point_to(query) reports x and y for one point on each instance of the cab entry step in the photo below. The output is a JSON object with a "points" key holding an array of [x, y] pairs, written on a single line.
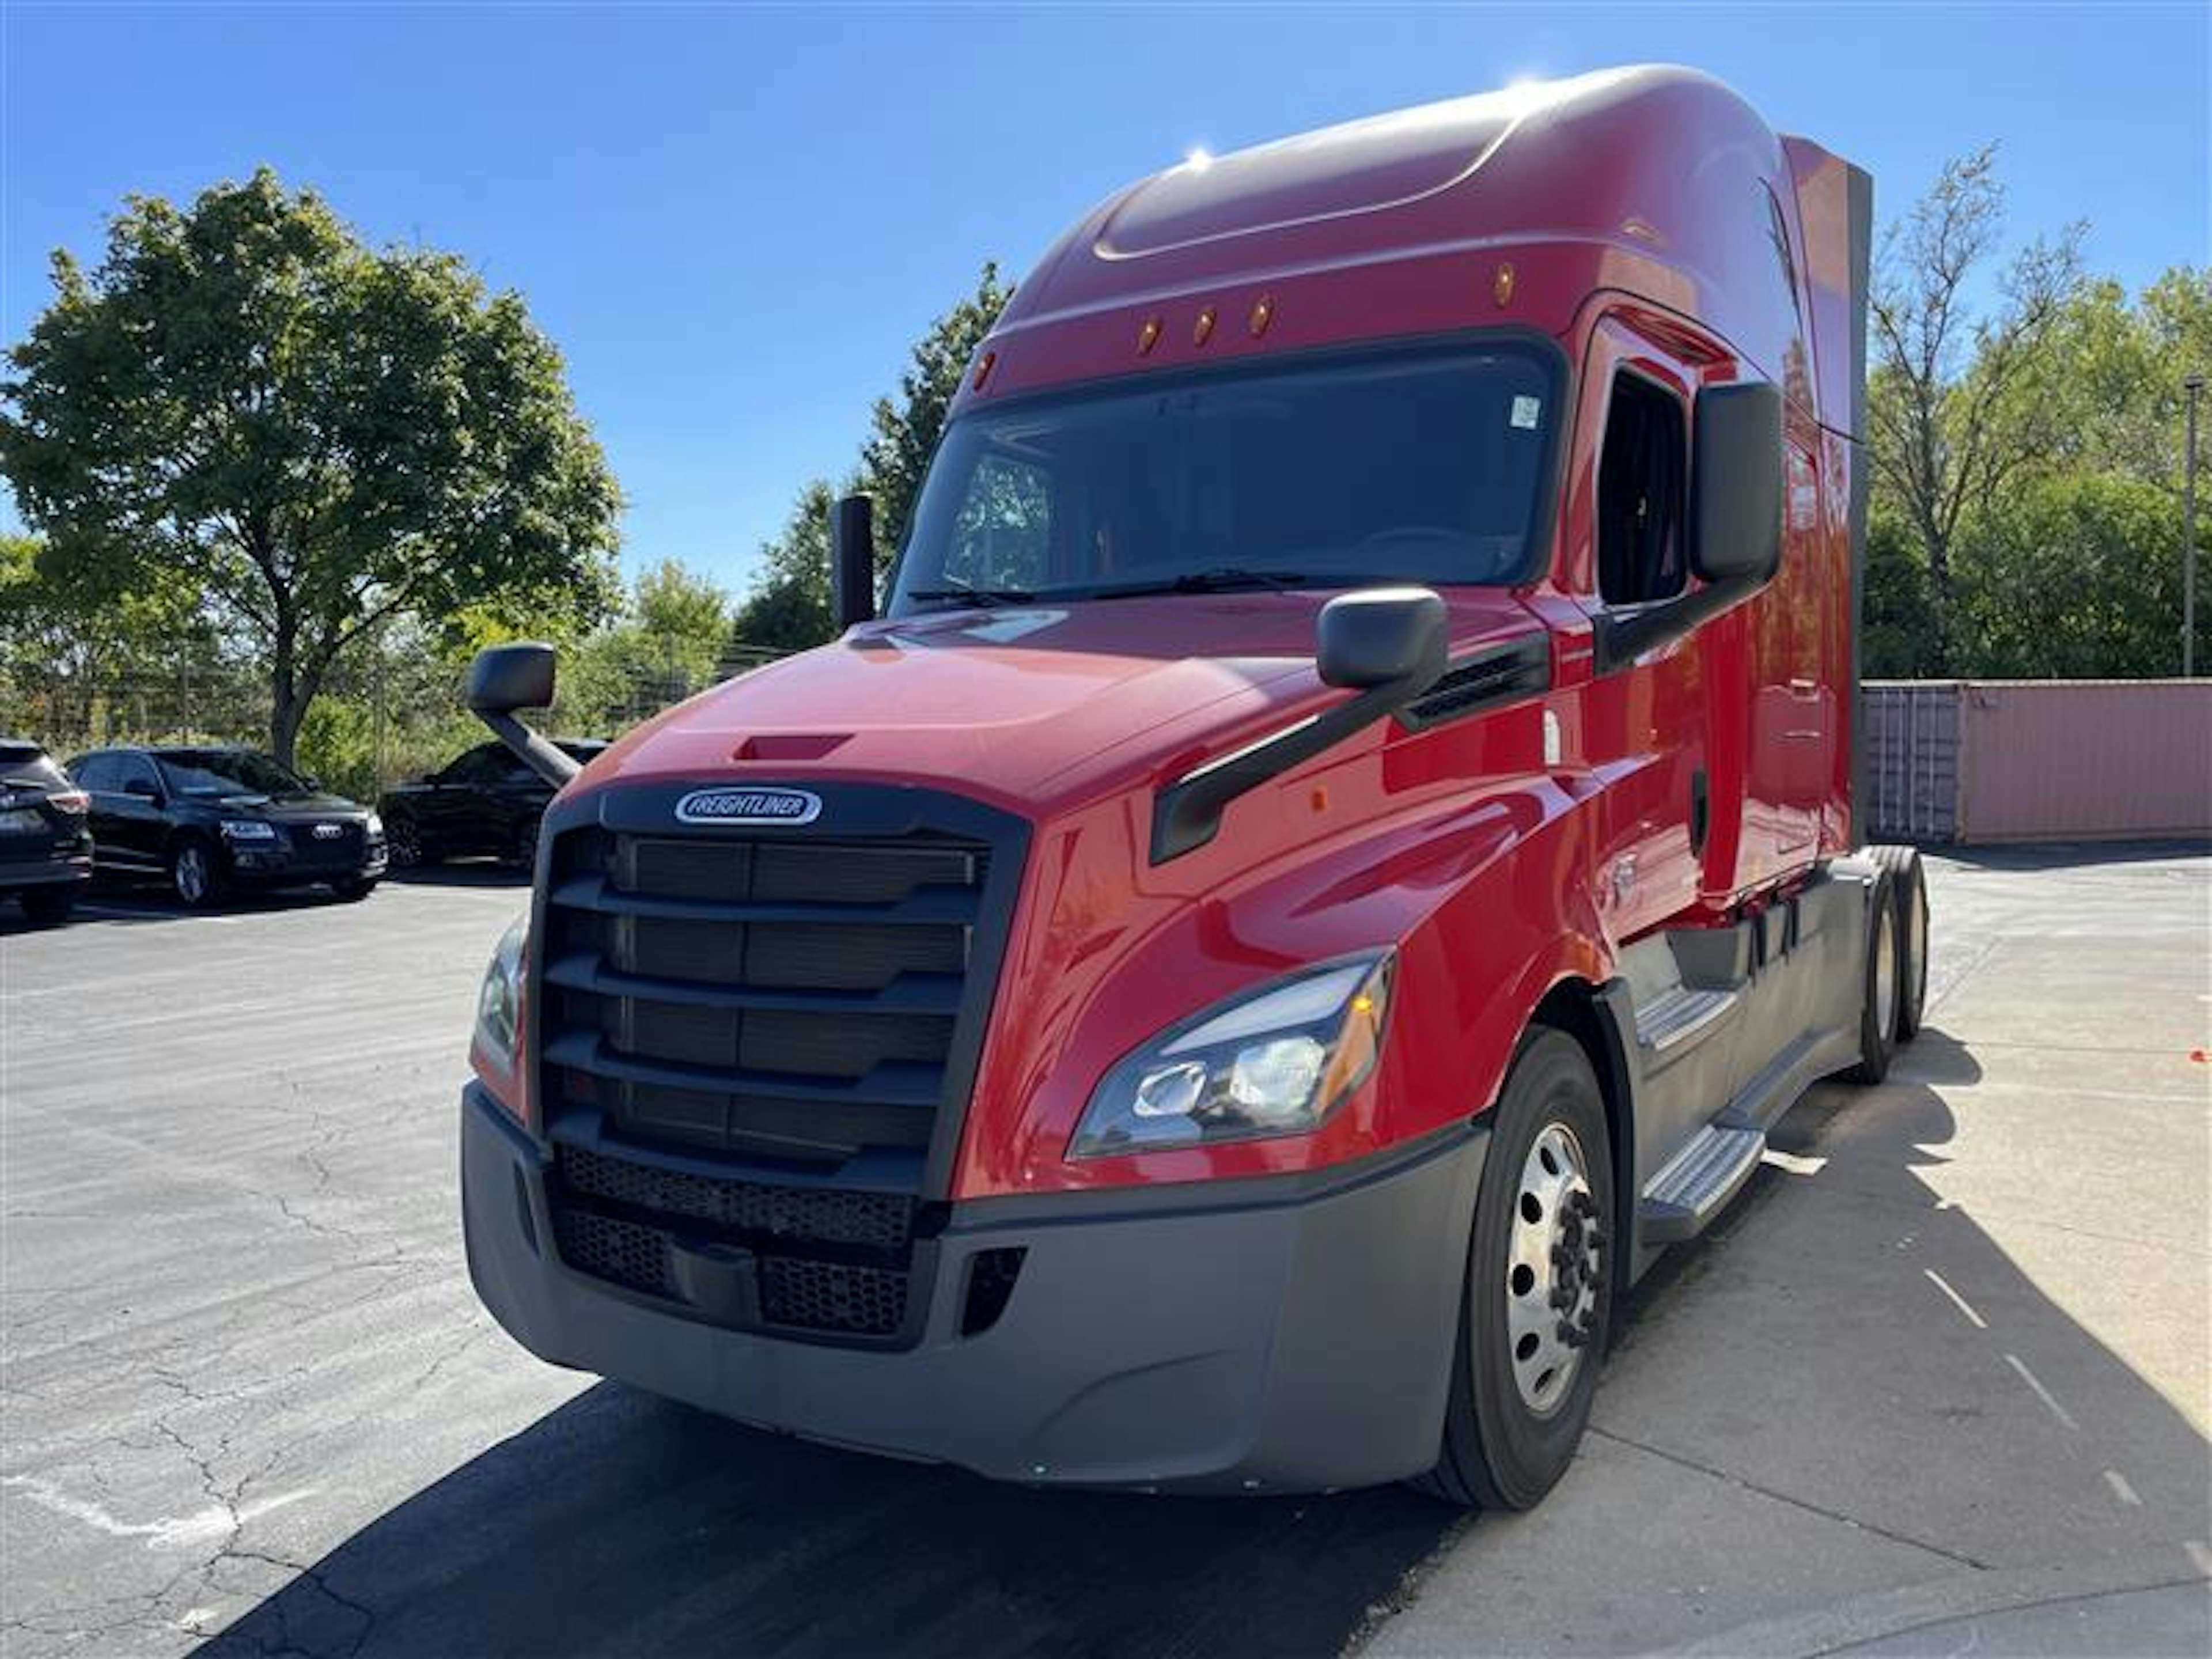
{"points": [[1684, 1196]]}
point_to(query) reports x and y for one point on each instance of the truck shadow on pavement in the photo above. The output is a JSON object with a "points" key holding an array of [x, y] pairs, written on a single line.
{"points": [[1845, 1394]]}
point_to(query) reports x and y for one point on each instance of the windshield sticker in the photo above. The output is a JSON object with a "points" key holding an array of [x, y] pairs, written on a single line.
{"points": [[1525, 411]]}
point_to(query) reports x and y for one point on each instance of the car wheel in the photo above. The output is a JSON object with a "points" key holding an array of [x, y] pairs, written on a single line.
{"points": [[48, 907], [403, 844], [192, 874], [1538, 1298], [1884, 982], [353, 891]]}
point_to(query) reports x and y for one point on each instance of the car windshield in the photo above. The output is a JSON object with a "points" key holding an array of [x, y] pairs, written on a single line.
{"points": [[1412, 466], [227, 772]]}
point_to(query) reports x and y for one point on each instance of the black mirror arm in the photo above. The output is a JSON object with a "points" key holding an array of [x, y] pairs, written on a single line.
{"points": [[1621, 638], [1186, 814], [534, 752]]}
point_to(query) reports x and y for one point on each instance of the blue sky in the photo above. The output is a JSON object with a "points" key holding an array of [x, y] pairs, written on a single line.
{"points": [[735, 219]]}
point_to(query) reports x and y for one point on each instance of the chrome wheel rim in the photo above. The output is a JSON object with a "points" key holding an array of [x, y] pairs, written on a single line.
{"points": [[1552, 1270], [191, 875], [1885, 974]]}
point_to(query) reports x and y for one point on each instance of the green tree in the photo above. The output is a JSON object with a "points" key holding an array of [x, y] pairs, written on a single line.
{"points": [[789, 607], [245, 399], [2075, 575], [1952, 417]]}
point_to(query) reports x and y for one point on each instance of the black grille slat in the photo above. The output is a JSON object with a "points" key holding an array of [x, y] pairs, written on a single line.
{"points": [[881, 1221], [790, 1002]]}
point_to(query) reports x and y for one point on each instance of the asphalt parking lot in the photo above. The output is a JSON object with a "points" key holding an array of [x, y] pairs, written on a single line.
{"points": [[1938, 1382]]}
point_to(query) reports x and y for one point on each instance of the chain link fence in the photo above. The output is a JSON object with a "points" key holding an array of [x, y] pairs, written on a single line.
{"points": [[381, 717]]}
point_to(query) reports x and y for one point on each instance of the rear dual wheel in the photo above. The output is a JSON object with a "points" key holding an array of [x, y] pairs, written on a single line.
{"points": [[1539, 1300]]}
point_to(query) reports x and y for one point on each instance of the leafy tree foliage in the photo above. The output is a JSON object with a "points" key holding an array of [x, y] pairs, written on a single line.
{"points": [[243, 401], [789, 608], [1949, 431]]}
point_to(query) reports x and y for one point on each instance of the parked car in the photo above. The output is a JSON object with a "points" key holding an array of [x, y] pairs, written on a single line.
{"points": [[484, 802], [209, 819], [45, 844]]}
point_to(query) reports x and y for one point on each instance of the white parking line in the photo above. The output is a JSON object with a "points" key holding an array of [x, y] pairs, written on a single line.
{"points": [[2200, 1555], [2041, 1392], [2122, 1490], [1960, 1302]]}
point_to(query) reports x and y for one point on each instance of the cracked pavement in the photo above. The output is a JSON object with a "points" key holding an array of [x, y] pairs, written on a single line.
{"points": [[1938, 1378]]}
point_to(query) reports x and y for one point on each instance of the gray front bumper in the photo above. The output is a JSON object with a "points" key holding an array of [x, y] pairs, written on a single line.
{"points": [[1293, 1336]]}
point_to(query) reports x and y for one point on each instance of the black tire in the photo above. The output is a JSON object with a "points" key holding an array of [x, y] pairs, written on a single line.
{"points": [[47, 907], [195, 873], [356, 890], [404, 843], [1500, 1451], [1878, 1013], [1909, 891]]}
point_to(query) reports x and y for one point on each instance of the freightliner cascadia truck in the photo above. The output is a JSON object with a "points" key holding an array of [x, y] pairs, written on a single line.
{"points": [[1335, 850]]}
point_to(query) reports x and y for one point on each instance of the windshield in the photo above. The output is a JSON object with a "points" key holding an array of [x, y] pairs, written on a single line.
{"points": [[226, 772], [1401, 467]]}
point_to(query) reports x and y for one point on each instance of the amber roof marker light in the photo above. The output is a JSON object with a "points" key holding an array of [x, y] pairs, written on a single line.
{"points": [[1202, 330], [1263, 312], [984, 365], [1148, 336], [1501, 285]]}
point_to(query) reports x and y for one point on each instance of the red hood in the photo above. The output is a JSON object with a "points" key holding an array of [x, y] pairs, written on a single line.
{"points": [[1036, 707]]}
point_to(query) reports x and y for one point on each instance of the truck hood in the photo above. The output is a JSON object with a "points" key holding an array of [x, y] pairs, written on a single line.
{"points": [[1032, 705]]}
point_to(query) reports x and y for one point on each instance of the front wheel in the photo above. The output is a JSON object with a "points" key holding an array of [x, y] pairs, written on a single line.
{"points": [[404, 843], [354, 889], [1539, 1301], [192, 874]]}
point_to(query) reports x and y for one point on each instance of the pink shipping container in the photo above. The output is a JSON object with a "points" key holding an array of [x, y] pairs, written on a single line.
{"points": [[2038, 760]]}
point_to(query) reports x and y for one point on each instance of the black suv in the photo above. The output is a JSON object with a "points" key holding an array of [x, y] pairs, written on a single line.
{"points": [[45, 846], [485, 802], [209, 818]]}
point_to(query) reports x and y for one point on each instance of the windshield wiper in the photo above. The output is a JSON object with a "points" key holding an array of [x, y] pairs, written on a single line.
{"points": [[961, 592], [1223, 579]]}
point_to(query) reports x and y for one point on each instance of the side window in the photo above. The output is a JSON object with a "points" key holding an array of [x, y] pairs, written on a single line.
{"points": [[1640, 556], [97, 774], [1003, 537], [479, 766], [138, 769]]}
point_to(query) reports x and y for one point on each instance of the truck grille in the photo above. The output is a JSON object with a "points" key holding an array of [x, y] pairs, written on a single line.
{"points": [[746, 1048]]}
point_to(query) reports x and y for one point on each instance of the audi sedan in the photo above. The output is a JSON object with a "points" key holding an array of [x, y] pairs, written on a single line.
{"points": [[207, 821]]}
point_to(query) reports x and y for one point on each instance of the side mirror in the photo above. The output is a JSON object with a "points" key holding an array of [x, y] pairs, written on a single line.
{"points": [[1381, 636], [852, 560], [1735, 483], [505, 678]]}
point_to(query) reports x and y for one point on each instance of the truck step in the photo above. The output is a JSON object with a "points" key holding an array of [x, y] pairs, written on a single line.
{"points": [[1684, 1196], [1679, 1015]]}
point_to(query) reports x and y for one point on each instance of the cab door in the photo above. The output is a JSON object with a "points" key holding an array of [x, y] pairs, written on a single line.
{"points": [[1644, 720]]}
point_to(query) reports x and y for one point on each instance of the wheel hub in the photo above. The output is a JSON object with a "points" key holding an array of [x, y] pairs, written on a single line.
{"points": [[1555, 1266]]}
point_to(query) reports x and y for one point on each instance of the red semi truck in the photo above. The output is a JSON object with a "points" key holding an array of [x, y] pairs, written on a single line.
{"points": [[1337, 849]]}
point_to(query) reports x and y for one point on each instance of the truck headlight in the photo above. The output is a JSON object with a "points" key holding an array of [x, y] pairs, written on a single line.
{"points": [[499, 1002], [1273, 1061], [248, 829]]}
